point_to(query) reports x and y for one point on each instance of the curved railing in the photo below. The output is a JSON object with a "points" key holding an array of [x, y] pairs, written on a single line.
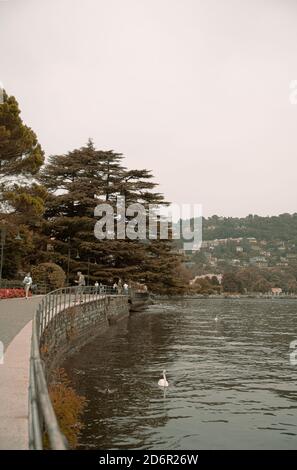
{"points": [[42, 418]]}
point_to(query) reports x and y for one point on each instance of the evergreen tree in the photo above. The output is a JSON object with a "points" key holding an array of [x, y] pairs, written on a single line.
{"points": [[77, 182], [20, 152], [21, 198]]}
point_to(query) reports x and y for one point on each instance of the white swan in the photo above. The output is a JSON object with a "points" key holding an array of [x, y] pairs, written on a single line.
{"points": [[163, 382], [216, 318]]}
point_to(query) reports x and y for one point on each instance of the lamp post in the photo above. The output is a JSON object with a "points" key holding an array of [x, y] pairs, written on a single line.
{"points": [[68, 259], [88, 275], [68, 262], [88, 271]]}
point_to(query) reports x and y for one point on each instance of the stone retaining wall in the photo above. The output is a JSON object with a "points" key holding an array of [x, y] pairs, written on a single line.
{"points": [[77, 325]]}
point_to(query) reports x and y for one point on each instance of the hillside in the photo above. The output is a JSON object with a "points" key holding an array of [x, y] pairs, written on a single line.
{"points": [[282, 227], [263, 249]]}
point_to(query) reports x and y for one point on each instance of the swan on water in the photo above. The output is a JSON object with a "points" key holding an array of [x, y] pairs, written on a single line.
{"points": [[163, 382], [216, 318]]}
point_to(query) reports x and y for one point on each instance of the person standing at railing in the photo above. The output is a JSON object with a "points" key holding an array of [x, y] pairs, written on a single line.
{"points": [[81, 283], [126, 288], [96, 285], [81, 279], [27, 283]]}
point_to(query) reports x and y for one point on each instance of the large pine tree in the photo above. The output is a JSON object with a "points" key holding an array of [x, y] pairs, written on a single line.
{"points": [[21, 158], [77, 182], [20, 152], [21, 198]]}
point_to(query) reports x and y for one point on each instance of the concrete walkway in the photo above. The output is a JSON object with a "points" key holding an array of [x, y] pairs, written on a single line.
{"points": [[15, 333], [14, 315]]}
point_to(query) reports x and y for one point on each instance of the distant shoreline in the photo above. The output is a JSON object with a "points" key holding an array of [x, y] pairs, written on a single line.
{"points": [[224, 296]]}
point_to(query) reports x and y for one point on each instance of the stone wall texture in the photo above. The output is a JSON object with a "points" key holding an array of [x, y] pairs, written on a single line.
{"points": [[77, 325]]}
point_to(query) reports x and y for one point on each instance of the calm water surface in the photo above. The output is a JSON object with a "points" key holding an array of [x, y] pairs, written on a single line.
{"points": [[231, 382]]}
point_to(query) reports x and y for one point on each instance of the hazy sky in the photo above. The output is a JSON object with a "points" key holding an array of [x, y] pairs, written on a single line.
{"points": [[197, 91]]}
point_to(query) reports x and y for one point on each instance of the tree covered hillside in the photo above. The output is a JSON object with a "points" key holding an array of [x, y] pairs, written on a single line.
{"points": [[282, 227]]}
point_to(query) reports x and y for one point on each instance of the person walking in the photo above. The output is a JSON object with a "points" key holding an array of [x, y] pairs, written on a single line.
{"points": [[27, 283]]}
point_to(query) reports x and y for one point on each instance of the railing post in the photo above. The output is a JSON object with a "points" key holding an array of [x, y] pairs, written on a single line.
{"points": [[55, 306], [49, 305]]}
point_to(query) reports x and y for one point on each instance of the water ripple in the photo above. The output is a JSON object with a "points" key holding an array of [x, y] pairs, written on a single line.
{"points": [[231, 383]]}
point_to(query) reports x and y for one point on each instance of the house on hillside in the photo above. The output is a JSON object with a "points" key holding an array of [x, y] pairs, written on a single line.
{"points": [[276, 290], [258, 261]]}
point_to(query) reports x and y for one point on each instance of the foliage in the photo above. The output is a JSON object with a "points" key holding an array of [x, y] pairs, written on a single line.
{"points": [[206, 286], [55, 206], [49, 273], [12, 293], [21, 198], [231, 283], [282, 227], [77, 182], [68, 406], [259, 280], [20, 152], [26, 200], [16, 252]]}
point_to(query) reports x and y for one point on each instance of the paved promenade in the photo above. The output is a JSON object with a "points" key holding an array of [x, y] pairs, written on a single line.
{"points": [[14, 315], [15, 334]]}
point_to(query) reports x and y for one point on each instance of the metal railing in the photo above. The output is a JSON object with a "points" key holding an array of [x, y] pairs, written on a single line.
{"points": [[11, 284], [42, 418]]}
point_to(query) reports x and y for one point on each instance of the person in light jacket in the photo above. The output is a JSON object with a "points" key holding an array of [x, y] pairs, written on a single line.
{"points": [[27, 283]]}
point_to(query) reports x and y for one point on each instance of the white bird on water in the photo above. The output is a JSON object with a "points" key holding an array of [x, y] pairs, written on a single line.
{"points": [[163, 382], [216, 318]]}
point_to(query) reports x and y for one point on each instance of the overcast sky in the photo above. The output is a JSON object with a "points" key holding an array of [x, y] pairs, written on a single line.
{"points": [[196, 90]]}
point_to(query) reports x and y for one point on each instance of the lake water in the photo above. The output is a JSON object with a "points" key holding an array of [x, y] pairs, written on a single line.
{"points": [[231, 383]]}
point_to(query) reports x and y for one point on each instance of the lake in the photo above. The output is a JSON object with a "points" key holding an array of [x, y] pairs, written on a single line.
{"points": [[231, 382]]}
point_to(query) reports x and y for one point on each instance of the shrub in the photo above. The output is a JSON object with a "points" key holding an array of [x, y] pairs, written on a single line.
{"points": [[49, 273], [68, 406], [12, 293]]}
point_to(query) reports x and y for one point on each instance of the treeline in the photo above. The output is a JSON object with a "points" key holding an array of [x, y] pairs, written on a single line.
{"points": [[47, 211], [249, 280], [282, 227]]}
